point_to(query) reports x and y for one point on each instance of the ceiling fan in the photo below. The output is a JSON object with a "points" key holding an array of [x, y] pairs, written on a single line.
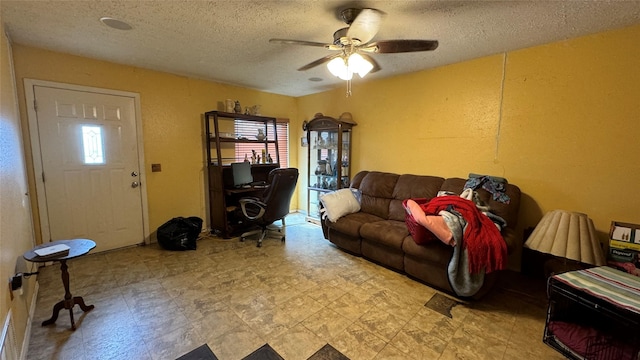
{"points": [[354, 44]]}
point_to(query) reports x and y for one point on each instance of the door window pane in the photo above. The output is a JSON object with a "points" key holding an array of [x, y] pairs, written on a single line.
{"points": [[92, 144]]}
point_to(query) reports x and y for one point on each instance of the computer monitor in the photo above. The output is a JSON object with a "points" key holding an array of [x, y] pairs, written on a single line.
{"points": [[241, 173]]}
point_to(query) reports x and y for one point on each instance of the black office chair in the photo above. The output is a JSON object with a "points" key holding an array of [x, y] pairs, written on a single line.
{"points": [[273, 205]]}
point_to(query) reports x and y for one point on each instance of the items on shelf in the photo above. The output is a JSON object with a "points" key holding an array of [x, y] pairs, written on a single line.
{"points": [[229, 105]]}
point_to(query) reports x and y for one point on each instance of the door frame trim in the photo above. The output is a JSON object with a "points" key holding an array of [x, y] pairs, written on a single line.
{"points": [[36, 153]]}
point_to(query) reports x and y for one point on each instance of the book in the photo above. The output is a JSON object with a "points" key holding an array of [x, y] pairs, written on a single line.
{"points": [[52, 251]]}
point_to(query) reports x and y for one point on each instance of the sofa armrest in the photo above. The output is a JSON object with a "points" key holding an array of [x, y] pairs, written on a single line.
{"points": [[511, 238]]}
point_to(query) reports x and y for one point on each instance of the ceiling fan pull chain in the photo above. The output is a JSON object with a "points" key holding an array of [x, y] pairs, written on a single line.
{"points": [[348, 87]]}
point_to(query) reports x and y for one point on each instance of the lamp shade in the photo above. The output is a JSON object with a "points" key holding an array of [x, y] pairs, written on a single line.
{"points": [[569, 235]]}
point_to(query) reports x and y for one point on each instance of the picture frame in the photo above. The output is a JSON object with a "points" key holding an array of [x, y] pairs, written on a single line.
{"points": [[304, 142]]}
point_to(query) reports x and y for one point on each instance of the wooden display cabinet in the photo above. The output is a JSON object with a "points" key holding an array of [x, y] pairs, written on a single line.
{"points": [[329, 159]]}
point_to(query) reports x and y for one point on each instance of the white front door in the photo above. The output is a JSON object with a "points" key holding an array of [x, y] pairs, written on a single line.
{"points": [[90, 163]]}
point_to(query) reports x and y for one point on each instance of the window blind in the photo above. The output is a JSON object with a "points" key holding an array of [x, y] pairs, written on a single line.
{"points": [[249, 129]]}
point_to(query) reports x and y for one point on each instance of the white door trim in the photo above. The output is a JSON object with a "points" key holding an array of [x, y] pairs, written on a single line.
{"points": [[36, 153]]}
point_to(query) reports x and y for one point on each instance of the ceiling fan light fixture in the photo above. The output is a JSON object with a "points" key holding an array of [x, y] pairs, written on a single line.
{"points": [[344, 68], [338, 67]]}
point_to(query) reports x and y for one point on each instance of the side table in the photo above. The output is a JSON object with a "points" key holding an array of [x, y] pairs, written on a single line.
{"points": [[77, 248]]}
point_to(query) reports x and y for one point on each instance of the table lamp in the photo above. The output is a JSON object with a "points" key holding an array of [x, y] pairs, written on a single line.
{"points": [[569, 236]]}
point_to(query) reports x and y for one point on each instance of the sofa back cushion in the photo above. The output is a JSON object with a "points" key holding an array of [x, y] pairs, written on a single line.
{"points": [[377, 192], [410, 187], [509, 212], [357, 179], [383, 193]]}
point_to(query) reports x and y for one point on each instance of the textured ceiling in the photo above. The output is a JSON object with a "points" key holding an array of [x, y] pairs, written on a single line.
{"points": [[227, 41]]}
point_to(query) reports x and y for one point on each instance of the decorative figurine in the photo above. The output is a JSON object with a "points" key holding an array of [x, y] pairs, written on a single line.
{"points": [[237, 108], [321, 169], [229, 105], [269, 159]]}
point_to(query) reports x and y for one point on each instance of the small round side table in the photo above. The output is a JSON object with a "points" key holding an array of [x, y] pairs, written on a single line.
{"points": [[77, 248]]}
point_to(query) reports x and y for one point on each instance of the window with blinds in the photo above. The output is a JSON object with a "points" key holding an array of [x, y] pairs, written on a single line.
{"points": [[249, 129]]}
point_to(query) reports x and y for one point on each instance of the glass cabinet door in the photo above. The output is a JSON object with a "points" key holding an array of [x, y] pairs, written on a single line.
{"points": [[329, 160]]}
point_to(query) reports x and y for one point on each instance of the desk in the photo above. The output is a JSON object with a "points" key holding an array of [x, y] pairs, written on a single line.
{"points": [[244, 191], [224, 195], [77, 248]]}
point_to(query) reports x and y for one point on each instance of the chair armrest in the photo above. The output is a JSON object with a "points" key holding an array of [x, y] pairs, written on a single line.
{"points": [[252, 208]]}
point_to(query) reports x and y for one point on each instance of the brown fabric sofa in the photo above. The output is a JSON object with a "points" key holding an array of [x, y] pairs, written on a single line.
{"points": [[378, 231]]}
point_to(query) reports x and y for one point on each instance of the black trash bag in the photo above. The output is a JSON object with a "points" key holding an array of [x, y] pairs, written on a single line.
{"points": [[180, 233]]}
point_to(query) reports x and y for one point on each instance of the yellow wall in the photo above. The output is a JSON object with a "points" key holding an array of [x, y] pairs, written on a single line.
{"points": [[172, 110], [565, 127], [16, 233], [558, 120]]}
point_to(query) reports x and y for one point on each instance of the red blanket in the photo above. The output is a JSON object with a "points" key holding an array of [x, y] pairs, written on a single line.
{"points": [[485, 246]]}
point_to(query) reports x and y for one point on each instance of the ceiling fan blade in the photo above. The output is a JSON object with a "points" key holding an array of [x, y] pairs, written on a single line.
{"points": [[376, 66], [319, 62], [301, 42], [366, 25], [400, 46]]}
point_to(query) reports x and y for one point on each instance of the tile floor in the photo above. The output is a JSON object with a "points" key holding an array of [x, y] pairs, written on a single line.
{"points": [[297, 296]]}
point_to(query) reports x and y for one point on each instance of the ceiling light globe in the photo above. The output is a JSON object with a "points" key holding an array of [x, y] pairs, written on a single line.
{"points": [[360, 65], [339, 68]]}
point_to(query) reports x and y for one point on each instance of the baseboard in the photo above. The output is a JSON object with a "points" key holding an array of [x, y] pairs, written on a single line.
{"points": [[27, 332], [8, 346]]}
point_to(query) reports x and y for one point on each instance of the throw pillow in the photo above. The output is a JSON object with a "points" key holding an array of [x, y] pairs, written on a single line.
{"points": [[339, 203]]}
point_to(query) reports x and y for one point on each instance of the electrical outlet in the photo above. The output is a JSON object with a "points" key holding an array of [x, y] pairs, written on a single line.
{"points": [[16, 282]]}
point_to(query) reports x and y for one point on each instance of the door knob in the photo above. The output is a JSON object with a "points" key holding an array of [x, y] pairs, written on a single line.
{"points": [[134, 173], [135, 184]]}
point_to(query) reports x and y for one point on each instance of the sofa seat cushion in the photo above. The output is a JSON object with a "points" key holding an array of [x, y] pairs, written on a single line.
{"points": [[388, 232], [351, 224], [435, 251]]}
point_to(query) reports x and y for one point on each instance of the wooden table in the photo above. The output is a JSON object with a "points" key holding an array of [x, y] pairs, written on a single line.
{"points": [[77, 248]]}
